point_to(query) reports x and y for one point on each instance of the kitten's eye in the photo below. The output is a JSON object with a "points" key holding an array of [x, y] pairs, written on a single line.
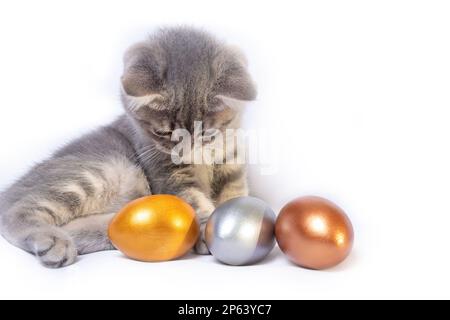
{"points": [[227, 122], [162, 134]]}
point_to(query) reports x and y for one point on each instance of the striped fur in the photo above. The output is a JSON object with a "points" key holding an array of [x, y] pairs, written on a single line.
{"points": [[61, 208]]}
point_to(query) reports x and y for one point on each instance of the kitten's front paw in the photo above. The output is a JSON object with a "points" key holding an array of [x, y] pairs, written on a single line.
{"points": [[200, 246], [54, 249]]}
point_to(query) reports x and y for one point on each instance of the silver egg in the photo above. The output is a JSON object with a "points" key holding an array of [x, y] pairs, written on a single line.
{"points": [[241, 231]]}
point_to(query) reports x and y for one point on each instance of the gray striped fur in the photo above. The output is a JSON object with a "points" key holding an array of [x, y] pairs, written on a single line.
{"points": [[61, 208]]}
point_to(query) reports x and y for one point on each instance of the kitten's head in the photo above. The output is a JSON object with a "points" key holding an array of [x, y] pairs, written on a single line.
{"points": [[182, 75]]}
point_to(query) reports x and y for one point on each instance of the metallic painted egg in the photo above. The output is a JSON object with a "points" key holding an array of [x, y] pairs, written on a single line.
{"points": [[241, 231], [155, 228], [314, 233]]}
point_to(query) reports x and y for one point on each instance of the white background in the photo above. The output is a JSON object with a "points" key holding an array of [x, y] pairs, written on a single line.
{"points": [[358, 89]]}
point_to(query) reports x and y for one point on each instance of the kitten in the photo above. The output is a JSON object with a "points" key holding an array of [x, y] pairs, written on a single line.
{"points": [[63, 206]]}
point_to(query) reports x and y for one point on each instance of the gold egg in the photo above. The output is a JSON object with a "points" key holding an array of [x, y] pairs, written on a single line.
{"points": [[155, 228]]}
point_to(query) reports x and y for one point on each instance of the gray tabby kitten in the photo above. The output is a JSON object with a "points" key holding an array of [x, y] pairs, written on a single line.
{"points": [[62, 207]]}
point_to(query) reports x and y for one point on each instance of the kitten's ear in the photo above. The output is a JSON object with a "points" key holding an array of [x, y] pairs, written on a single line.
{"points": [[143, 71], [234, 81], [225, 102]]}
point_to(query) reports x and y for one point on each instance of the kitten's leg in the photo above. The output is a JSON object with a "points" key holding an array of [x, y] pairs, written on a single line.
{"points": [[60, 191], [185, 184], [90, 234], [204, 207], [233, 183], [34, 229]]}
